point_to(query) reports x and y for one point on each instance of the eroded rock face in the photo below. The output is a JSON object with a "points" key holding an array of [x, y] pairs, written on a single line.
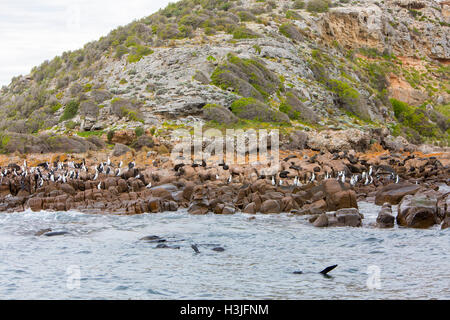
{"points": [[337, 141], [418, 211], [370, 26]]}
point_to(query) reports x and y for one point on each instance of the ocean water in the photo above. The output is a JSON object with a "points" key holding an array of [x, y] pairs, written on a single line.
{"points": [[103, 258]]}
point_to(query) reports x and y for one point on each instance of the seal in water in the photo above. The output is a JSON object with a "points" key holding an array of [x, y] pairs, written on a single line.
{"points": [[218, 249], [324, 271], [43, 231], [153, 239], [165, 246], [55, 233], [194, 246]]}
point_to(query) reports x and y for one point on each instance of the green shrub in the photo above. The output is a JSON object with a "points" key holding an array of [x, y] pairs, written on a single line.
{"points": [[71, 124], [87, 87], [244, 33], [298, 4], [293, 15], [238, 105], [55, 107], [346, 92], [139, 131], [318, 5], [138, 52], [414, 118], [70, 110], [110, 135]]}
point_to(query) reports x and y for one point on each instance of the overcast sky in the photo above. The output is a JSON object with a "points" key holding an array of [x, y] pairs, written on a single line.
{"points": [[32, 31]]}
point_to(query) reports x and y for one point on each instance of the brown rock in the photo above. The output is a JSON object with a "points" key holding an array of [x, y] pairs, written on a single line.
{"points": [[270, 206], [154, 205], [419, 211], [198, 207], [393, 193], [321, 221], [250, 208], [385, 218], [35, 204], [122, 185], [67, 188]]}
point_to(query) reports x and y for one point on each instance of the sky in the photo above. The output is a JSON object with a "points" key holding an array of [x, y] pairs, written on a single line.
{"points": [[32, 31]]}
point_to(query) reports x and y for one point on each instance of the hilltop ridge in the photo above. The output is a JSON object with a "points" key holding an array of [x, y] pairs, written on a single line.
{"points": [[293, 65]]}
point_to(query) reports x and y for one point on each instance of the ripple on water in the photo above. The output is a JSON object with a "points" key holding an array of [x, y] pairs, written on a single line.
{"points": [[258, 262]]}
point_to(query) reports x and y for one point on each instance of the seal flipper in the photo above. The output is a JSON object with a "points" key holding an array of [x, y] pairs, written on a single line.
{"points": [[194, 246], [328, 269]]}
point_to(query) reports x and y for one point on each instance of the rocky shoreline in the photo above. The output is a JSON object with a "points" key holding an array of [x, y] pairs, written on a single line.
{"points": [[320, 184]]}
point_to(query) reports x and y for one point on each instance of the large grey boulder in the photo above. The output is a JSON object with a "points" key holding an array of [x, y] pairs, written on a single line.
{"points": [[120, 149]]}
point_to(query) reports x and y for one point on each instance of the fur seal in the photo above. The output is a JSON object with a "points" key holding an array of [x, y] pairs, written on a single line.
{"points": [[55, 233], [323, 272]]}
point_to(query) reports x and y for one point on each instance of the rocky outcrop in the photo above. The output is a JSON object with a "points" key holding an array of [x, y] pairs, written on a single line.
{"points": [[341, 218], [373, 26]]}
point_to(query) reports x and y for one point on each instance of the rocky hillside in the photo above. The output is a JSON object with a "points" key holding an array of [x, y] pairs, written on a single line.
{"points": [[310, 65]]}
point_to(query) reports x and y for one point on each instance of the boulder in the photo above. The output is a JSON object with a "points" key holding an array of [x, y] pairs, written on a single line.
{"points": [[270, 206], [67, 188], [347, 217], [250, 208], [120, 149], [338, 195], [321, 221], [393, 193], [297, 140], [198, 207], [385, 218], [35, 204], [418, 211]]}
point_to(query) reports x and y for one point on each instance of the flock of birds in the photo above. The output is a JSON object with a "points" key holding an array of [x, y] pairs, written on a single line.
{"points": [[282, 178], [62, 172]]}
